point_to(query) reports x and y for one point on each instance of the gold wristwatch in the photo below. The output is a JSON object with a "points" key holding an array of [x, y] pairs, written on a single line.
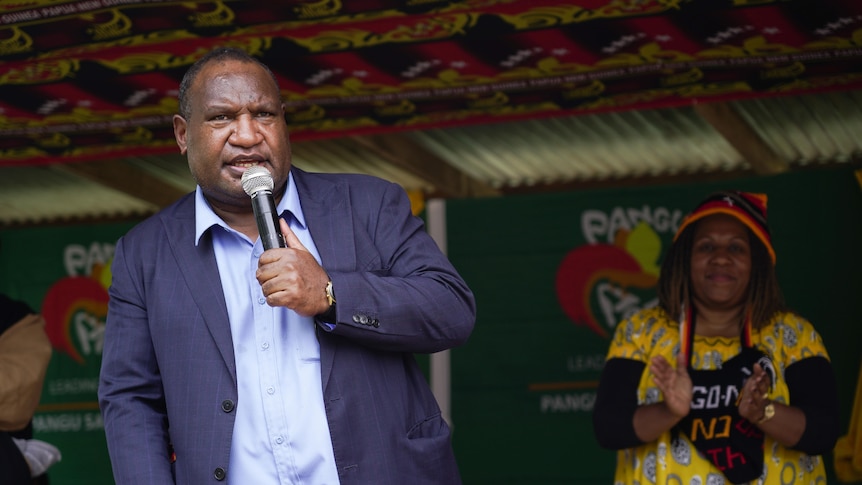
{"points": [[768, 412], [329, 296]]}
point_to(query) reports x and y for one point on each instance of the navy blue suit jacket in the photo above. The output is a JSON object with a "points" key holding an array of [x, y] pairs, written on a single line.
{"points": [[168, 377]]}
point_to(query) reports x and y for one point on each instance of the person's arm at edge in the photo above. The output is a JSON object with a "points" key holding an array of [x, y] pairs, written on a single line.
{"points": [[25, 352]]}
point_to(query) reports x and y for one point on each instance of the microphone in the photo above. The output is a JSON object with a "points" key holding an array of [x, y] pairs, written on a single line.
{"points": [[257, 183]]}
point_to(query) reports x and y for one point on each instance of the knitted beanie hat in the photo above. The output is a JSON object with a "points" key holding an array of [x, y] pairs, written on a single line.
{"points": [[749, 208]]}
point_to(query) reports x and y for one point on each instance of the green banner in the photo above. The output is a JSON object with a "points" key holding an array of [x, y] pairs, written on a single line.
{"points": [[64, 273], [553, 274]]}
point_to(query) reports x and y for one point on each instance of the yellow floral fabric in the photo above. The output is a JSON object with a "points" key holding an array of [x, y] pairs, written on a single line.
{"points": [[787, 339]]}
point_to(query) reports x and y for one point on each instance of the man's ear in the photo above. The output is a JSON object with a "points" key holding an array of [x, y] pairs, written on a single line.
{"points": [[180, 132]]}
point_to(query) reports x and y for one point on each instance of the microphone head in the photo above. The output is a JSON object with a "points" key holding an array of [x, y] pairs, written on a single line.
{"points": [[255, 179]]}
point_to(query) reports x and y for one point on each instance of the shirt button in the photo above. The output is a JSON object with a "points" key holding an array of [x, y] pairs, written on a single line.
{"points": [[270, 390], [261, 300], [264, 345], [279, 440]]}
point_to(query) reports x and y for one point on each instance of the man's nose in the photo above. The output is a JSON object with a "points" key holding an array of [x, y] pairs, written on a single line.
{"points": [[245, 131]]}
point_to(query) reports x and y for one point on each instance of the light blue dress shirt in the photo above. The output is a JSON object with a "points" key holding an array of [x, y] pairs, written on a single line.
{"points": [[281, 434]]}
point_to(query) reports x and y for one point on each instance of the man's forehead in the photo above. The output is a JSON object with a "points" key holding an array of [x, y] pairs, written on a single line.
{"points": [[212, 79]]}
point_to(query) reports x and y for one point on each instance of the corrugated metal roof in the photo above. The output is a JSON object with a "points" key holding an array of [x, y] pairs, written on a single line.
{"points": [[52, 194], [343, 155], [532, 155], [807, 130], [587, 148]]}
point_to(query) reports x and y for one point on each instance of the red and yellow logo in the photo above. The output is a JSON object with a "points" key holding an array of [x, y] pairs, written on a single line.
{"points": [[599, 284], [75, 309]]}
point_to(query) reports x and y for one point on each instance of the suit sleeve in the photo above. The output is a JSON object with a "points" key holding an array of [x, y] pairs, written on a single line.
{"points": [[405, 295], [130, 393]]}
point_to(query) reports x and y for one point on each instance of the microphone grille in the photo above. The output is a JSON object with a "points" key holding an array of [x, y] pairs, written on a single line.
{"points": [[257, 178]]}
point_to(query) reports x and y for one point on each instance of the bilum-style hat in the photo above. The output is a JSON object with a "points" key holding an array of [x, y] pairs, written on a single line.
{"points": [[749, 208]]}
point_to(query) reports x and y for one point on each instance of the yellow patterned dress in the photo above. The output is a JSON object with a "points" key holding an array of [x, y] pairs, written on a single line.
{"points": [[786, 340]]}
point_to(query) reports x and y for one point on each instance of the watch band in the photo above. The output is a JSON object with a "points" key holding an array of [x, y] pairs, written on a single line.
{"points": [[328, 317], [330, 297]]}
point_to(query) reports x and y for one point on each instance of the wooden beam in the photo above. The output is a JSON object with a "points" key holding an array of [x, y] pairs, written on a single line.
{"points": [[742, 137], [401, 151], [128, 179]]}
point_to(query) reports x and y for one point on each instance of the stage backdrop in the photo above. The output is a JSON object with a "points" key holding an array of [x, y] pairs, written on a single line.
{"points": [[553, 274]]}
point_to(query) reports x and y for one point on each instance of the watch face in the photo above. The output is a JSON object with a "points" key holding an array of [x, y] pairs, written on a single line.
{"points": [[768, 412]]}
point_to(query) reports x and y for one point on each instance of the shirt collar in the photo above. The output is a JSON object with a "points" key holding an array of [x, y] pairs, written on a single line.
{"points": [[206, 218]]}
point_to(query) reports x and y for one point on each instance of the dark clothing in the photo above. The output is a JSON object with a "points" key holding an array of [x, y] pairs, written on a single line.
{"points": [[13, 467], [11, 312]]}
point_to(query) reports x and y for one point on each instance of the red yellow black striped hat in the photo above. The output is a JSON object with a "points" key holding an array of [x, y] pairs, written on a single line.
{"points": [[749, 208]]}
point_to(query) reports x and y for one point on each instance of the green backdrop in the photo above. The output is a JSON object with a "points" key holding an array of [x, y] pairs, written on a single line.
{"points": [[60, 272], [552, 275]]}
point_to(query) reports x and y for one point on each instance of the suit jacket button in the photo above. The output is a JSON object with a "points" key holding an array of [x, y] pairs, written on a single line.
{"points": [[219, 474], [356, 318], [227, 405]]}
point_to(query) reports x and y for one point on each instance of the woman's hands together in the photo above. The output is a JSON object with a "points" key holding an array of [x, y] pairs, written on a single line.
{"points": [[674, 383], [651, 420]]}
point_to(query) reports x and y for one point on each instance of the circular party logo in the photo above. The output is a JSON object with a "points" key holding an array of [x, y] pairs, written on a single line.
{"points": [[75, 309], [600, 284]]}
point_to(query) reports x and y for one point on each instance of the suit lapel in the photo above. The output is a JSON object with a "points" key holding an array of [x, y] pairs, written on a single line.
{"points": [[327, 212], [198, 267]]}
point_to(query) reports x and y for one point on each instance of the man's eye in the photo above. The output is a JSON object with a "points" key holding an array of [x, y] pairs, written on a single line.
{"points": [[219, 118]]}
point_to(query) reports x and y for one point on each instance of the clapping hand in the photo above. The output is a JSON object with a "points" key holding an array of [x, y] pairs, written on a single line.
{"points": [[674, 383]]}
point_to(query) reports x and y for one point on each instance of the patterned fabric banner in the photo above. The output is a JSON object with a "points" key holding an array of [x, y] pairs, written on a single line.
{"points": [[98, 78]]}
